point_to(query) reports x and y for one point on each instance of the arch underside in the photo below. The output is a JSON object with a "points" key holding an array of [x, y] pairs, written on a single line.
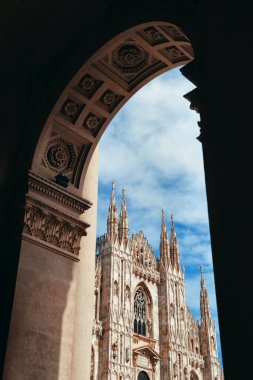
{"points": [[97, 92]]}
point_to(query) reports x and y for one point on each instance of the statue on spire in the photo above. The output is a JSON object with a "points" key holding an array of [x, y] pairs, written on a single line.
{"points": [[174, 249], [112, 219], [164, 242], [123, 227], [204, 302]]}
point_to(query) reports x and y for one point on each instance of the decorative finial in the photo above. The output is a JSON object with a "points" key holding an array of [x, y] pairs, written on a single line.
{"points": [[163, 213], [123, 192], [172, 218], [113, 185], [201, 274]]}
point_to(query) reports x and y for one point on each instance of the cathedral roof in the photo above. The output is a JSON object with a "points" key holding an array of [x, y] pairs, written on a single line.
{"points": [[142, 251]]}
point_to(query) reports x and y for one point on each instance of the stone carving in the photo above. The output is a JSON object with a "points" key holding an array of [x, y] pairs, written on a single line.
{"points": [[129, 57], [154, 362], [153, 36], [153, 33], [174, 54], [71, 110], [181, 314], [42, 223], [108, 98], [115, 288], [87, 82], [127, 354], [98, 274], [145, 263], [52, 190], [172, 310], [175, 369], [88, 85], [58, 155], [127, 293], [149, 323], [135, 358], [174, 32], [188, 49], [92, 121], [114, 349], [97, 328]]}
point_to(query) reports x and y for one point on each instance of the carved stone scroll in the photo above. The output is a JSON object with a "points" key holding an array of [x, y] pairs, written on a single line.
{"points": [[53, 227]]}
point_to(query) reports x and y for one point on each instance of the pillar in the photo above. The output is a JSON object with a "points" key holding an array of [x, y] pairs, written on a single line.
{"points": [[51, 318], [86, 281]]}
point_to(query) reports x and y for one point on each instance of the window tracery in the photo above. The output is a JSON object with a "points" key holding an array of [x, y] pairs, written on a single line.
{"points": [[140, 312]]}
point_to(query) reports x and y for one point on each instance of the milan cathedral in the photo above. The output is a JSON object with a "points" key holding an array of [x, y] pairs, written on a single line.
{"points": [[142, 326]]}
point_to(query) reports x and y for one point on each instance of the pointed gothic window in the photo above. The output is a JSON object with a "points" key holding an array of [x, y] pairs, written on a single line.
{"points": [[143, 329], [140, 312], [143, 376], [135, 326]]}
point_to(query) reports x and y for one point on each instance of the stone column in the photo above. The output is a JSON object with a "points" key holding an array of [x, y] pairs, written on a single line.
{"points": [[225, 109], [84, 310], [41, 336]]}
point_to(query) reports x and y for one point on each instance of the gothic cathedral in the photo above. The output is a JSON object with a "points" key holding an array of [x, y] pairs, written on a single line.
{"points": [[142, 327]]}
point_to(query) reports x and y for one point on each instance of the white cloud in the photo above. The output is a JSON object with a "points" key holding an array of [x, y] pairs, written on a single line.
{"points": [[151, 148]]}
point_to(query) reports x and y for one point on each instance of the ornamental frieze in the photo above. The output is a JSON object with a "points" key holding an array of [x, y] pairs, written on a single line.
{"points": [[53, 227], [52, 190]]}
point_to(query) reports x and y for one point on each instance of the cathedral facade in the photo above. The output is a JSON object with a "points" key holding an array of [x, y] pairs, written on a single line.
{"points": [[142, 327]]}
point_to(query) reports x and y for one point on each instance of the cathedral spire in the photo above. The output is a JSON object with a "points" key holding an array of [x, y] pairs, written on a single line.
{"points": [[123, 221], [204, 303], [164, 242], [112, 220], [174, 250]]}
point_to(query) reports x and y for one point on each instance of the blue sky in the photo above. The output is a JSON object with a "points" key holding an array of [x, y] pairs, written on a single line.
{"points": [[150, 148]]}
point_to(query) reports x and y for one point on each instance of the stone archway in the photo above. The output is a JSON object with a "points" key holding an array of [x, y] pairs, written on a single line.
{"points": [[97, 92], [143, 376], [30, 65], [61, 201]]}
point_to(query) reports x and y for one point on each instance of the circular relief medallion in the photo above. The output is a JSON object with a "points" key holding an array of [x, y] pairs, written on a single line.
{"points": [[87, 83], [108, 98], [154, 34], [129, 55], [58, 156], [175, 52], [70, 109], [92, 122]]}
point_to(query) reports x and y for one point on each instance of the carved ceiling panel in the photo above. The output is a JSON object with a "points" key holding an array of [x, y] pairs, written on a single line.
{"points": [[99, 90]]}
